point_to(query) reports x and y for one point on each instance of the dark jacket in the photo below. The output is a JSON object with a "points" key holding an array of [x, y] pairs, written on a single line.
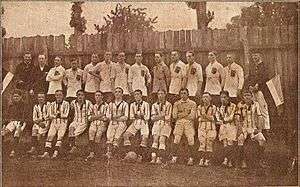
{"points": [[25, 73], [40, 83], [258, 75], [15, 112]]}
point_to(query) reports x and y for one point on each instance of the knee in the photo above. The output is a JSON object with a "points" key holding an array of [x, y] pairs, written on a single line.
{"points": [[144, 141], [177, 139], [155, 142], [162, 142], [191, 140]]}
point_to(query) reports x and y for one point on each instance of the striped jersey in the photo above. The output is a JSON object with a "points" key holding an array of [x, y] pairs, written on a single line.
{"points": [[225, 114], [140, 108], [41, 112], [162, 109], [117, 109], [206, 116], [62, 109], [249, 114], [99, 109], [82, 111]]}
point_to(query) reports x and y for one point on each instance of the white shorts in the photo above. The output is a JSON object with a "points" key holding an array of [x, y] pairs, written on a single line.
{"points": [[160, 128], [115, 131], [37, 130], [139, 125], [57, 128], [16, 126], [79, 128]]}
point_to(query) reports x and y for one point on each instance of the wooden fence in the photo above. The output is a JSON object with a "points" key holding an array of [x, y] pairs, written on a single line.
{"points": [[277, 44]]}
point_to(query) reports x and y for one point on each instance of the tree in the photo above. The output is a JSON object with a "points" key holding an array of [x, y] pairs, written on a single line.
{"points": [[265, 14], [2, 28], [126, 19], [203, 18], [77, 21]]}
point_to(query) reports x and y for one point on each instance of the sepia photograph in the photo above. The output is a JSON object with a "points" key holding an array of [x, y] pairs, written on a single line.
{"points": [[149, 93]]}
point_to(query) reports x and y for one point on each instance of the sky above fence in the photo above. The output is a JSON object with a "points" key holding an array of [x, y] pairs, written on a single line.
{"points": [[45, 18]]}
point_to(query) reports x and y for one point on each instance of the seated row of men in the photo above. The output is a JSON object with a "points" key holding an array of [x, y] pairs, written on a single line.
{"points": [[235, 122]]}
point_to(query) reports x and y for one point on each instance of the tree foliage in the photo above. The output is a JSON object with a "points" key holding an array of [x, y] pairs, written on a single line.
{"points": [[265, 14], [203, 17], [77, 21], [126, 19]]}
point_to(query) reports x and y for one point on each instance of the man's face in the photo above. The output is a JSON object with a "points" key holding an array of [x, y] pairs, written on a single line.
{"points": [[137, 96], [206, 98], [98, 97], [27, 58], [157, 58], [229, 58], [247, 97], [118, 93], [161, 95], [80, 96], [41, 98], [57, 61], [211, 57], [256, 57], [59, 96], [121, 57], [138, 58], [184, 94], [16, 98], [190, 57], [94, 58], [224, 99], [107, 56], [174, 56], [42, 59], [74, 64]]}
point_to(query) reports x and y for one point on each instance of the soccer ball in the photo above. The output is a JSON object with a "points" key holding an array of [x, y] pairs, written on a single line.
{"points": [[130, 156]]}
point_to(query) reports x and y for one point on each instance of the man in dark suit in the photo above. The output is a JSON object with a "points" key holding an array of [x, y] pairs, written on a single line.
{"points": [[40, 73]]}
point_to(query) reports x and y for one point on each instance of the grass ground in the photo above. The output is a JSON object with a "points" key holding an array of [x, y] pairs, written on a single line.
{"points": [[77, 172]]}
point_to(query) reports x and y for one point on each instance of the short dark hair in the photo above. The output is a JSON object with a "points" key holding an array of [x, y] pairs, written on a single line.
{"points": [[119, 89], [161, 90], [40, 92], [159, 53], [190, 51], [59, 91], [18, 92], [78, 91], [98, 91], [74, 59], [27, 53], [207, 93], [139, 91], [184, 89], [224, 92]]}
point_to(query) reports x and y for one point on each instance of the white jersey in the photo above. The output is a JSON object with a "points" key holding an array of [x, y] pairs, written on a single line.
{"points": [[55, 79], [120, 75], [178, 72], [214, 77], [139, 76], [105, 70], [73, 80], [91, 82], [82, 112], [193, 76], [234, 79]]}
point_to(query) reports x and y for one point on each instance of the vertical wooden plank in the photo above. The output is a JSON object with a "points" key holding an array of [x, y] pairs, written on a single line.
{"points": [[127, 41], [161, 40], [182, 40], [109, 42], [134, 40], [194, 38], [176, 39], [201, 39], [145, 41], [208, 39], [18, 46], [139, 44], [277, 38], [293, 39], [79, 43], [284, 35], [157, 37], [4, 46], [188, 44], [50, 44], [151, 36], [260, 37], [169, 40], [115, 42], [278, 62]]}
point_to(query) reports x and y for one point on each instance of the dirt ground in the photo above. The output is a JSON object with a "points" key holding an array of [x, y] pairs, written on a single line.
{"points": [[76, 172]]}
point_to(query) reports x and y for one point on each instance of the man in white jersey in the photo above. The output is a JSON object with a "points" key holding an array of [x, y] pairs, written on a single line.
{"points": [[90, 77], [214, 78], [105, 69], [59, 112], [98, 125], [139, 76], [55, 78], [82, 109], [120, 74], [73, 80], [177, 69], [117, 114]]}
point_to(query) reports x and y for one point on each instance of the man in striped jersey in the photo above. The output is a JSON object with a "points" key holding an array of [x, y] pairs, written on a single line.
{"points": [[41, 112], [140, 115], [82, 109], [98, 125], [206, 129], [117, 115], [228, 129], [59, 111], [161, 113], [249, 119]]}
